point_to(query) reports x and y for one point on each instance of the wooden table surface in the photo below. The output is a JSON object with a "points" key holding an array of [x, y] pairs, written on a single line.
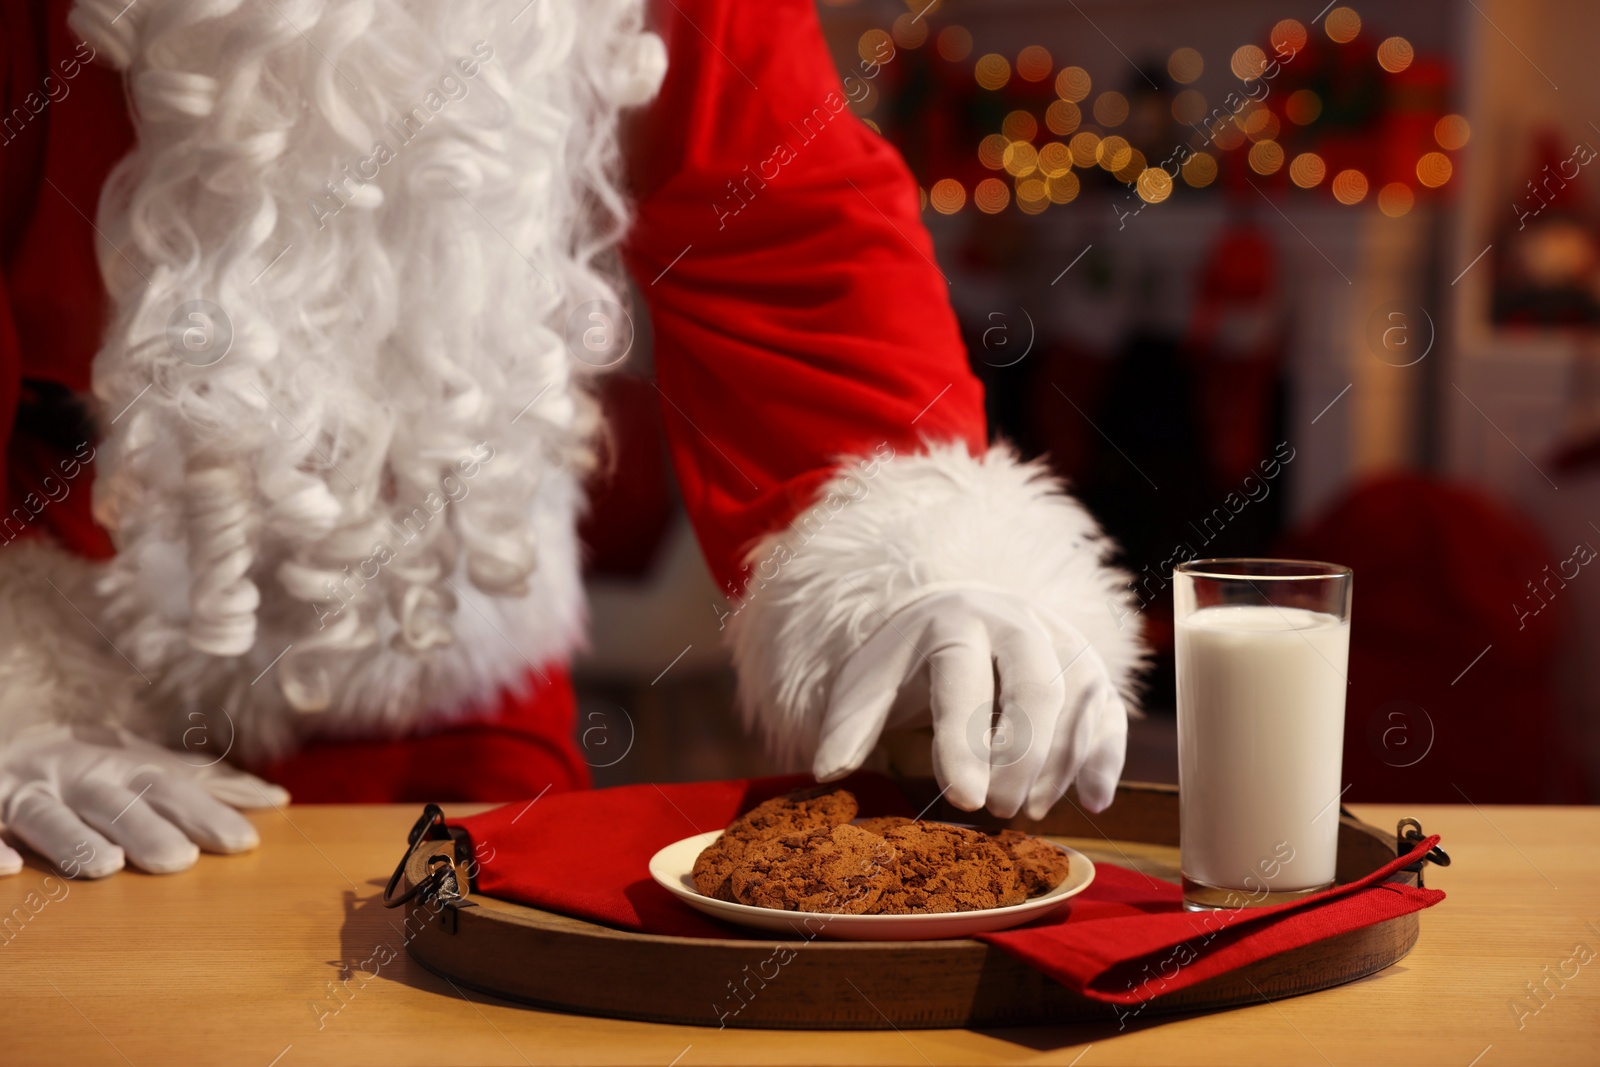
{"points": [[237, 962]]}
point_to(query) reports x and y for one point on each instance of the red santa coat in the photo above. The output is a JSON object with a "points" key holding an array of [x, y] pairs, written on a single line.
{"points": [[826, 430]]}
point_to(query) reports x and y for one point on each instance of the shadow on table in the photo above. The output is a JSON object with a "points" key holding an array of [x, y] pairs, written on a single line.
{"points": [[373, 942]]}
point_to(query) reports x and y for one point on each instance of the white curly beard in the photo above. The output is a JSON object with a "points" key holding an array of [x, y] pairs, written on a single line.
{"points": [[395, 205]]}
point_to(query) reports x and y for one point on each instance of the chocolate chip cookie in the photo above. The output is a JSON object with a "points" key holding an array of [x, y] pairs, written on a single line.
{"points": [[1040, 865], [948, 868], [715, 865], [800, 852], [803, 809], [833, 869]]}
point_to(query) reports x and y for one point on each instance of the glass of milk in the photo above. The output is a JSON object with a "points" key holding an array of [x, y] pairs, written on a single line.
{"points": [[1263, 647]]}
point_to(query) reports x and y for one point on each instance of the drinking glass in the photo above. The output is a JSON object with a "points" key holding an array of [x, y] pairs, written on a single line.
{"points": [[1263, 647]]}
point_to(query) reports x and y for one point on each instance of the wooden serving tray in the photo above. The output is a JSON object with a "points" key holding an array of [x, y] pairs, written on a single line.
{"points": [[554, 961]]}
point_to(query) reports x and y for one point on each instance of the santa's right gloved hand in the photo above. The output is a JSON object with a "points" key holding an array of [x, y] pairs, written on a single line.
{"points": [[954, 658], [86, 798]]}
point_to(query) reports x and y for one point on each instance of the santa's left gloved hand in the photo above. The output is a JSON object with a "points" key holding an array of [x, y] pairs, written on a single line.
{"points": [[88, 797], [954, 658]]}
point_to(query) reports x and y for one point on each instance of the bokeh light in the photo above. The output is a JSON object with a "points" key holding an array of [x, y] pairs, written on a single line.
{"points": [[1227, 136], [1129, 172], [1395, 54], [947, 196], [1307, 170], [1248, 61], [1303, 107], [1114, 153], [1434, 169], [991, 196], [1110, 109], [992, 150], [1185, 65], [992, 71], [1062, 117], [1055, 159], [1085, 149], [1288, 37], [1259, 123], [1034, 63], [1395, 199], [1063, 188], [1266, 157], [1020, 159], [1199, 170], [873, 45], [1452, 132], [1033, 195], [1020, 126], [954, 44], [1343, 26], [1154, 185], [1073, 84], [1349, 187]]}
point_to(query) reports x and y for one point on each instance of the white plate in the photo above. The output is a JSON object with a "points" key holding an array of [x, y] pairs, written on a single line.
{"points": [[672, 867]]}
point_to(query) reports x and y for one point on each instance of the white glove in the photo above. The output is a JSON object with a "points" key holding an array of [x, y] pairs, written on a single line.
{"points": [[952, 657], [65, 791]]}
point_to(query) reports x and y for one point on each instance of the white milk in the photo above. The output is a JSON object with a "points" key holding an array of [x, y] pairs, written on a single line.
{"points": [[1260, 738]]}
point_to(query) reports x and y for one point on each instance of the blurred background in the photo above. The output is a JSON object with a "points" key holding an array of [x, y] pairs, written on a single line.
{"points": [[1256, 280]]}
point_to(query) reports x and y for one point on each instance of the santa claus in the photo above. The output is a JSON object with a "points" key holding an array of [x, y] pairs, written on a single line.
{"points": [[315, 293]]}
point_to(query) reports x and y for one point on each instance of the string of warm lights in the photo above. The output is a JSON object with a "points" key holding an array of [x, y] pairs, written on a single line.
{"points": [[1041, 175]]}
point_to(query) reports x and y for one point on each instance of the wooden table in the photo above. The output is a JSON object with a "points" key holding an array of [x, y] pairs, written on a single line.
{"points": [[243, 960]]}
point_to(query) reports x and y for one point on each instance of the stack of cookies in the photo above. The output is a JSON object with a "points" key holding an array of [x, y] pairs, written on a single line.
{"points": [[803, 852]]}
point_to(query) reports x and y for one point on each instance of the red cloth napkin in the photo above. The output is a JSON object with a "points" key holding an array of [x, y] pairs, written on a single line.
{"points": [[1127, 938], [1123, 940], [587, 853]]}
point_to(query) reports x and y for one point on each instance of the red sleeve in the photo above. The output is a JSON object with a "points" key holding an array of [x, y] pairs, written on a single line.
{"points": [[63, 126], [799, 316]]}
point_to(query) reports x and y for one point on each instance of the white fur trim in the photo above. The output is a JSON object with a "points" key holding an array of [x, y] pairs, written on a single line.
{"points": [[886, 531], [54, 666]]}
